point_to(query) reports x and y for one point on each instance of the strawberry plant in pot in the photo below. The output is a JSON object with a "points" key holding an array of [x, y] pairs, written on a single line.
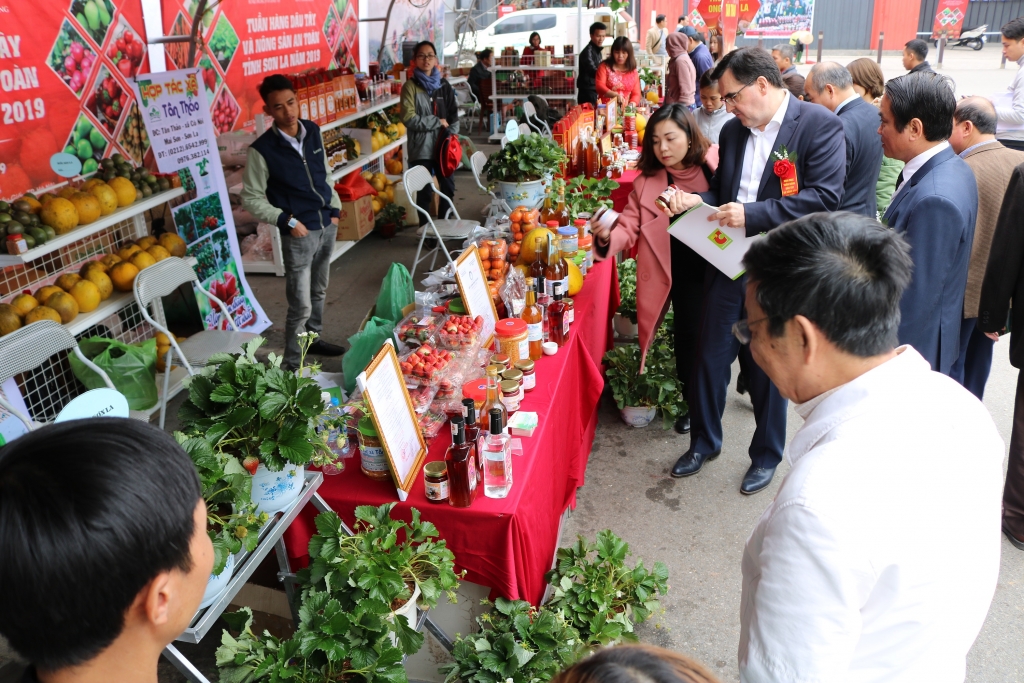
{"points": [[517, 643], [388, 220], [523, 167], [599, 594], [261, 415]]}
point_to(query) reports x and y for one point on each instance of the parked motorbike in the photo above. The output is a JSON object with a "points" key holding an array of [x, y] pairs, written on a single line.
{"points": [[973, 38]]}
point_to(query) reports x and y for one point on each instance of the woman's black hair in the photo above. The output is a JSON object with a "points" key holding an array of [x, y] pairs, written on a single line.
{"points": [[649, 163], [421, 44], [622, 44], [530, 41]]}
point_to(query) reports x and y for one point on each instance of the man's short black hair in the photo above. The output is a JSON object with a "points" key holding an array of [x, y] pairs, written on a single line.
{"points": [[273, 83], [918, 47], [747, 64], [90, 512], [660, 18], [923, 95], [844, 272], [1013, 29], [978, 111], [597, 26]]}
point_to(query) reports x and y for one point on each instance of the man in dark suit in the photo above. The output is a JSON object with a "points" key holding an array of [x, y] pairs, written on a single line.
{"points": [[1003, 286], [590, 59], [934, 207], [769, 123], [831, 85]]}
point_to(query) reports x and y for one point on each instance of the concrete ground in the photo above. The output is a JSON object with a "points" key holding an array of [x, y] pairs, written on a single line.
{"points": [[697, 526]]}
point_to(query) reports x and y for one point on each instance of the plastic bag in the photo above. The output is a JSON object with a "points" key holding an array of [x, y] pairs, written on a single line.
{"points": [[363, 344], [261, 248], [131, 367], [396, 292], [513, 293], [352, 187]]}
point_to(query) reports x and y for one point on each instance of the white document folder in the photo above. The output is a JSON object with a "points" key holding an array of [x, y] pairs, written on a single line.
{"points": [[723, 248]]}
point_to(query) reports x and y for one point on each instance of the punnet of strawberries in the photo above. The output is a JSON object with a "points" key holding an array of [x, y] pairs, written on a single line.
{"points": [[460, 331], [425, 365]]}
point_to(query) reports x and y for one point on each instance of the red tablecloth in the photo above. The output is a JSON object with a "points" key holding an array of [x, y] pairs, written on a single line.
{"points": [[508, 544]]}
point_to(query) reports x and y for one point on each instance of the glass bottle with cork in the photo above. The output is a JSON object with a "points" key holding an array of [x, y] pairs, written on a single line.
{"points": [[493, 400], [497, 458], [537, 267], [461, 466], [554, 270], [561, 212], [534, 319], [558, 322], [548, 210]]}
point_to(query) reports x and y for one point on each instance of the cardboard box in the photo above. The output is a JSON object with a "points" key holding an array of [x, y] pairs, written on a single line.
{"points": [[356, 219]]}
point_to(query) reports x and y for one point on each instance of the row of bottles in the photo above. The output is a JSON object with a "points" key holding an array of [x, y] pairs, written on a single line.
{"points": [[480, 455]]}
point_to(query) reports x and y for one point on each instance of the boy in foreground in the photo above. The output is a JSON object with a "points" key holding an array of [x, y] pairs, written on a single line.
{"points": [[104, 555]]}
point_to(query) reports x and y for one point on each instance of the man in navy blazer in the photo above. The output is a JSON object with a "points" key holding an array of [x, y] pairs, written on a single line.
{"points": [[831, 85], [935, 207], [769, 123]]}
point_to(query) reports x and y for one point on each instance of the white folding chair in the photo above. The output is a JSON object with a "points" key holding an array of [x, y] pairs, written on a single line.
{"points": [[497, 205], [504, 141], [535, 121], [416, 179], [28, 347], [524, 129], [160, 280], [469, 106]]}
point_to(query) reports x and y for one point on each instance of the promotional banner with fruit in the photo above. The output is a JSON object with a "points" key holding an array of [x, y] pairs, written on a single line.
{"points": [[178, 120], [64, 72], [245, 41]]}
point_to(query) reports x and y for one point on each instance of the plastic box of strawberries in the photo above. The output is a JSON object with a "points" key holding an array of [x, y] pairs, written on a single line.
{"points": [[426, 366], [460, 331]]}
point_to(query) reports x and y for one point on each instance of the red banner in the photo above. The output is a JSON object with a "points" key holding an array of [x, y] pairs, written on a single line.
{"points": [[949, 19], [246, 41], [64, 70]]}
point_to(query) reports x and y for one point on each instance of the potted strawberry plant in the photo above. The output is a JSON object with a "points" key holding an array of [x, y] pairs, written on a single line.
{"points": [[262, 416], [388, 220]]}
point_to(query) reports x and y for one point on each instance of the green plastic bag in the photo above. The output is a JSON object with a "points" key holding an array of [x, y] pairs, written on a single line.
{"points": [[131, 367], [362, 345], [396, 292]]}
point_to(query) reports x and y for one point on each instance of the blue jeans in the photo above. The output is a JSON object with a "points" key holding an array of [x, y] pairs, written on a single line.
{"points": [[307, 266]]}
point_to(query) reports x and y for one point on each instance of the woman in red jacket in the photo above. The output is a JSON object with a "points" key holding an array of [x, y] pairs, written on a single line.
{"points": [[674, 152], [535, 77], [617, 77]]}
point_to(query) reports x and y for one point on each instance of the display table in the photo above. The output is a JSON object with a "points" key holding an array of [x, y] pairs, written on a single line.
{"points": [[508, 544], [621, 195]]}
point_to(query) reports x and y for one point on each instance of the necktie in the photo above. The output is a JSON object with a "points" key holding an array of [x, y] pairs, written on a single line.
{"points": [[899, 180]]}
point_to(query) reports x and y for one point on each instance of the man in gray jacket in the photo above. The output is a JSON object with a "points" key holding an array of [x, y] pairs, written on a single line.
{"points": [[1010, 109]]}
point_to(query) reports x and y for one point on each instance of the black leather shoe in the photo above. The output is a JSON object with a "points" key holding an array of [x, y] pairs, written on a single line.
{"points": [[1017, 543], [322, 348], [690, 463], [741, 383], [683, 424], [756, 479]]}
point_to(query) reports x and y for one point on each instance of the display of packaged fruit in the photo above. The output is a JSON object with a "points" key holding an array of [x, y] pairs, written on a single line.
{"points": [[460, 331], [426, 366], [422, 398], [418, 328], [430, 423]]}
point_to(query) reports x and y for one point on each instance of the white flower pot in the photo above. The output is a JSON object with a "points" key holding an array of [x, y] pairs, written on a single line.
{"points": [[530, 195], [625, 328], [638, 416], [216, 586], [408, 610], [274, 491]]}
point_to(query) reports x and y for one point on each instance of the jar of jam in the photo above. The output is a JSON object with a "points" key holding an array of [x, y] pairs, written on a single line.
{"points": [[570, 311], [435, 481], [510, 395], [527, 367], [515, 375], [616, 170], [477, 390], [373, 462], [511, 339], [501, 359]]}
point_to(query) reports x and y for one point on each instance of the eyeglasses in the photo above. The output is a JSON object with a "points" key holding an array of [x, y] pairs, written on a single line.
{"points": [[426, 57], [741, 329], [730, 98]]}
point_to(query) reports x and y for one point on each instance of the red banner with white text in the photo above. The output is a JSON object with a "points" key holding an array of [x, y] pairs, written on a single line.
{"points": [[64, 70], [247, 40]]}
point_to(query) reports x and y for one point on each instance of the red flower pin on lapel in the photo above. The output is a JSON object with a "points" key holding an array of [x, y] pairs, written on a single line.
{"points": [[785, 168]]}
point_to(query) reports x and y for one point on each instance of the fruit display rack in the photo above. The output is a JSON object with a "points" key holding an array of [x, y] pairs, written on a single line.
{"points": [[48, 388]]}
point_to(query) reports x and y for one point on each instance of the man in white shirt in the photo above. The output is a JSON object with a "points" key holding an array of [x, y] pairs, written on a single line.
{"points": [[770, 126], [1010, 110], [873, 564]]}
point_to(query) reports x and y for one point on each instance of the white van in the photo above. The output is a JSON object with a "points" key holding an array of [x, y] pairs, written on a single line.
{"points": [[557, 26]]}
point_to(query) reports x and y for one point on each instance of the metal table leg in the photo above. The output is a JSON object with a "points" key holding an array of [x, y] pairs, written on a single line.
{"points": [[183, 665]]}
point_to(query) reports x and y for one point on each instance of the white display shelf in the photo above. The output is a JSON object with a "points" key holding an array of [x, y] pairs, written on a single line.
{"points": [[364, 159], [556, 67], [365, 111], [342, 246], [92, 228], [259, 266], [523, 96]]}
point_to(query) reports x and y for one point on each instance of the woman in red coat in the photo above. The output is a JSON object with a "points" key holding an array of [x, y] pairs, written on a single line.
{"points": [[535, 77], [617, 77], [667, 271]]}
